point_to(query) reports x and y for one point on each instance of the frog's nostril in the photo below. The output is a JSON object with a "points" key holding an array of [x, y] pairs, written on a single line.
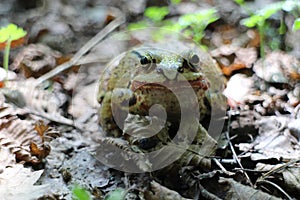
{"points": [[180, 69]]}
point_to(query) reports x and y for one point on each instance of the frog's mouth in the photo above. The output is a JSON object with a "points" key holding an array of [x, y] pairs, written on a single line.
{"points": [[198, 83]]}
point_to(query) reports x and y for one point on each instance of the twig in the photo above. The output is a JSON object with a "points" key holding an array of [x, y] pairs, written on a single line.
{"points": [[222, 167], [90, 44], [278, 169], [277, 187], [234, 153], [237, 159]]}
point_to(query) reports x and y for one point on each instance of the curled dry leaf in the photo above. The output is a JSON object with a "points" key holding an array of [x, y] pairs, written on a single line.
{"points": [[278, 67], [287, 174], [37, 100], [236, 190], [160, 192], [23, 140], [274, 140], [232, 58], [238, 89], [16, 181], [35, 60]]}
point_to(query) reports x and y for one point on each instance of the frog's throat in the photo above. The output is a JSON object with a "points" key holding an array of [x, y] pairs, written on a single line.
{"points": [[195, 84]]}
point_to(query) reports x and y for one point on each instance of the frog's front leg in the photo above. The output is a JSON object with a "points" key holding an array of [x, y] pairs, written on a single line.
{"points": [[199, 152], [114, 110]]}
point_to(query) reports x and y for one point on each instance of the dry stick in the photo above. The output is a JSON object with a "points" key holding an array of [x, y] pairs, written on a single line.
{"points": [[234, 153], [90, 44], [278, 169], [222, 167], [277, 187]]}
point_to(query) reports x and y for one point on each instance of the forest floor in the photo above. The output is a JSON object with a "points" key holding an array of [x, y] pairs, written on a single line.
{"points": [[50, 137]]}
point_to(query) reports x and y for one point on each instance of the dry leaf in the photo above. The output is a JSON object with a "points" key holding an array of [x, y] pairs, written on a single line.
{"points": [[159, 192], [288, 175], [36, 100], [17, 182], [274, 140], [236, 190], [35, 60], [278, 67], [238, 88], [232, 58], [22, 140]]}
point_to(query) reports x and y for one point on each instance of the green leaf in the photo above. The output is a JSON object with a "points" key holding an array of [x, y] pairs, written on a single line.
{"points": [[11, 32], [175, 1], [137, 25], [296, 25], [259, 18], [240, 2], [156, 13], [268, 11], [117, 194], [202, 18], [252, 21], [80, 193]]}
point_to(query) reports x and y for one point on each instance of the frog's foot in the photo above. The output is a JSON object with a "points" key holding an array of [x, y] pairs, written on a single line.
{"points": [[140, 130], [199, 152], [145, 132]]}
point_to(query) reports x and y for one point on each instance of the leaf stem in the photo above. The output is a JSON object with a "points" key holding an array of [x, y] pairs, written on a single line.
{"points": [[6, 57], [261, 37]]}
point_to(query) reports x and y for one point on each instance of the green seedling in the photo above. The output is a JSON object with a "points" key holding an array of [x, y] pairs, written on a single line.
{"points": [[191, 25], [195, 24], [8, 35], [80, 193], [258, 19], [296, 25], [175, 2], [117, 194], [156, 14]]}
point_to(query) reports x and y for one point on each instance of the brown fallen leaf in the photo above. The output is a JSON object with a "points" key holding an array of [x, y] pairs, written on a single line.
{"points": [[159, 192]]}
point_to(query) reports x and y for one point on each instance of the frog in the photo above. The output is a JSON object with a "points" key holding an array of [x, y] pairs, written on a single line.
{"points": [[138, 79]]}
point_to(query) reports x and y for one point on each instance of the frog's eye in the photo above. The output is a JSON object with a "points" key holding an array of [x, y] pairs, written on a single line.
{"points": [[194, 59], [144, 60]]}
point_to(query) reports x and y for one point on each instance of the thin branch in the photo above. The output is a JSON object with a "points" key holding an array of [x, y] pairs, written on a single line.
{"points": [[234, 153], [277, 187], [90, 44]]}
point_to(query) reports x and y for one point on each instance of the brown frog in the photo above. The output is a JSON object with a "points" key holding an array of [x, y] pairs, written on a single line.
{"points": [[141, 78]]}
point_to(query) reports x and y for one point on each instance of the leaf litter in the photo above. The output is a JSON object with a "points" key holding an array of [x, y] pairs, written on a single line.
{"points": [[263, 120]]}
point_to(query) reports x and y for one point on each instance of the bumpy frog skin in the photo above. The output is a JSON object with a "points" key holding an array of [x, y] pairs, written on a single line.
{"points": [[133, 83]]}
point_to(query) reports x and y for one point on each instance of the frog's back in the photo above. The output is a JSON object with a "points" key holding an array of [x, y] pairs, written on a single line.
{"points": [[120, 68]]}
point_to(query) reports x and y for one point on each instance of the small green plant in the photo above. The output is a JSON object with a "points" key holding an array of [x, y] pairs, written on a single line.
{"points": [[175, 1], [296, 25], [80, 193], [191, 25], [117, 194], [258, 19], [9, 34], [156, 14]]}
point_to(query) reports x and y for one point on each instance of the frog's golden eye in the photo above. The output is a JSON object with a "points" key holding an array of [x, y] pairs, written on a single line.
{"points": [[194, 59], [144, 60]]}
